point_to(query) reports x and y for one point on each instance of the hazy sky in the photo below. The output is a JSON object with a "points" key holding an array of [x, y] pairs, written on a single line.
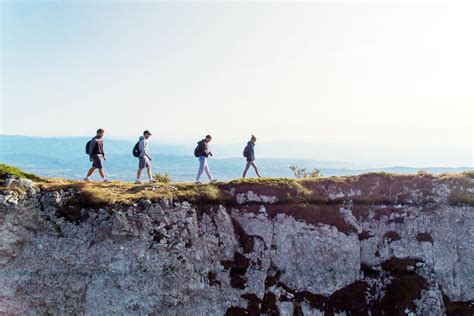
{"points": [[316, 72]]}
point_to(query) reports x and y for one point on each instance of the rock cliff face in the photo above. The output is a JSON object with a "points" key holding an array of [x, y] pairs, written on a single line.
{"points": [[373, 245]]}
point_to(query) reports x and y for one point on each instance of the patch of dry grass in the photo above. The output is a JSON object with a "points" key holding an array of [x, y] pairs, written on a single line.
{"points": [[460, 198], [285, 189], [288, 191], [96, 194]]}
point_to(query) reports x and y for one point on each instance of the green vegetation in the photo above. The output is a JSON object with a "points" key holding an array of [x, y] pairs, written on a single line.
{"points": [[10, 171], [462, 197], [384, 174], [303, 173], [286, 190], [163, 178], [280, 183], [459, 198], [367, 189], [201, 194], [469, 173], [422, 173], [98, 194]]}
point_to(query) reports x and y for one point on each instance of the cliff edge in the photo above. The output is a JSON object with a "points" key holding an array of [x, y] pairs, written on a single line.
{"points": [[377, 244]]}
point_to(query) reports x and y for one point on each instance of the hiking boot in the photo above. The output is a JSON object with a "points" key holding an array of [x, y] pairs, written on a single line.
{"points": [[87, 179], [106, 181], [138, 182], [197, 182], [152, 181], [213, 181]]}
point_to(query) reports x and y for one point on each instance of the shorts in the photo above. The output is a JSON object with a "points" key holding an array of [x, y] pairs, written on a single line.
{"points": [[143, 162], [97, 161]]}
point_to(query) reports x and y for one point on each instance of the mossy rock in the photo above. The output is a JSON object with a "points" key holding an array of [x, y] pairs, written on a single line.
{"points": [[7, 171]]}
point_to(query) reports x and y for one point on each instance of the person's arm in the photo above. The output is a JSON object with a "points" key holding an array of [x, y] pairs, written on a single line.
{"points": [[147, 152], [207, 150]]}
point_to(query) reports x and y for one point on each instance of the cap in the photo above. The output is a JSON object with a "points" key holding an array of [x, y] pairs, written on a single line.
{"points": [[146, 132]]}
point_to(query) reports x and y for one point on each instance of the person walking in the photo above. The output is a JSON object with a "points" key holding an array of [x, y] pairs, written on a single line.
{"points": [[202, 152], [95, 150], [144, 157], [249, 153]]}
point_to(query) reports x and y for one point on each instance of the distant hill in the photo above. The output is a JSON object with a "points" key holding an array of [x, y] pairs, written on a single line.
{"points": [[65, 157]]}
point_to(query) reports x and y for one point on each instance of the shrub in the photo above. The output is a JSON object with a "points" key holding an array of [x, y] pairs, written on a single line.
{"points": [[303, 173], [164, 178], [422, 173], [469, 173]]}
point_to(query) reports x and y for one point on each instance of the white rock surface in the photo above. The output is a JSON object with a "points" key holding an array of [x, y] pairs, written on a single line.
{"points": [[168, 259]]}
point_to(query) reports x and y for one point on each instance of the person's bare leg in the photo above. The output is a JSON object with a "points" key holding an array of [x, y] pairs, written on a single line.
{"points": [[102, 173], [256, 169], [148, 172], [247, 166], [139, 173], [90, 172]]}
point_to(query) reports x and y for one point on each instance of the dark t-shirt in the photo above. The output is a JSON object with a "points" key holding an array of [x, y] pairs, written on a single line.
{"points": [[98, 147]]}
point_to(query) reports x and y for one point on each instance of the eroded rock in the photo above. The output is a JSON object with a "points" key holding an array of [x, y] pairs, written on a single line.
{"points": [[265, 258]]}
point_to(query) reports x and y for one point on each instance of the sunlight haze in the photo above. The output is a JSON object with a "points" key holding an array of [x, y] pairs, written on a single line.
{"points": [[391, 74]]}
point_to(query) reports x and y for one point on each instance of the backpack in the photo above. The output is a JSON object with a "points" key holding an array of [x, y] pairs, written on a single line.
{"points": [[136, 150], [246, 151], [198, 151], [88, 145]]}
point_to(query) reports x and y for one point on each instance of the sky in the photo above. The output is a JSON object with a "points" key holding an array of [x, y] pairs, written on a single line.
{"points": [[395, 74]]}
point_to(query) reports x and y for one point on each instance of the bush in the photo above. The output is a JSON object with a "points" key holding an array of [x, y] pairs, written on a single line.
{"points": [[422, 173], [303, 173], [164, 178]]}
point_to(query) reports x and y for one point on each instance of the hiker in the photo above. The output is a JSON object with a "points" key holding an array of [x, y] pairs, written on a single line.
{"points": [[249, 153], [95, 150], [141, 151], [202, 152]]}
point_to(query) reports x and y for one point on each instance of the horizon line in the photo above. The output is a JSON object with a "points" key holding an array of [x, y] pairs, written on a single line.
{"points": [[180, 141]]}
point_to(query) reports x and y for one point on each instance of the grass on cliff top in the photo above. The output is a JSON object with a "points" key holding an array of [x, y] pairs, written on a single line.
{"points": [[277, 182], [469, 173], [10, 171], [289, 191], [98, 194], [283, 188]]}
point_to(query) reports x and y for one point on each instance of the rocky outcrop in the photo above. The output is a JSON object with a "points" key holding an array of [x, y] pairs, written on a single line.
{"points": [[359, 248]]}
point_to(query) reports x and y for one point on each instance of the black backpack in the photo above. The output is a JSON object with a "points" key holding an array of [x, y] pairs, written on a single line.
{"points": [[136, 150], [88, 145], [199, 150], [246, 151]]}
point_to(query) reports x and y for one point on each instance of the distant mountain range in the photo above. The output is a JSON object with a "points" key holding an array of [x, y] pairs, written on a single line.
{"points": [[65, 157]]}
